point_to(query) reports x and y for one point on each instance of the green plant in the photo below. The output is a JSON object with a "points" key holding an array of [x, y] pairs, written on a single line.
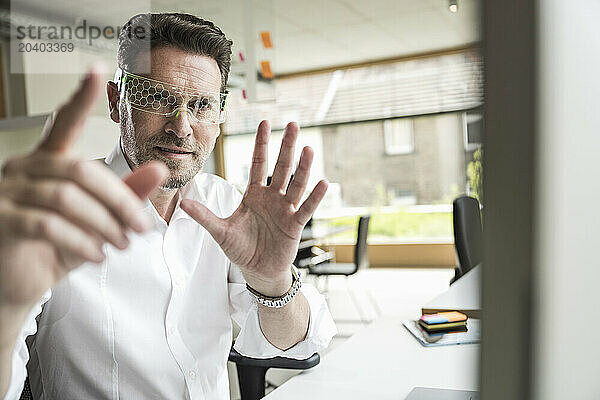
{"points": [[399, 225], [475, 175]]}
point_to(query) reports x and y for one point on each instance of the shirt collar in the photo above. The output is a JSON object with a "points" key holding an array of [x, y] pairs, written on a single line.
{"points": [[116, 161]]}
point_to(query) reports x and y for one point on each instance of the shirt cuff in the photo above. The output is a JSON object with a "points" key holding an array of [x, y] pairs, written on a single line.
{"points": [[252, 343]]}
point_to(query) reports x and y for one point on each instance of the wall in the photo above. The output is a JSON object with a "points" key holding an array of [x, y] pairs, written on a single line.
{"points": [[44, 93], [15, 140], [435, 172], [439, 255], [567, 269]]}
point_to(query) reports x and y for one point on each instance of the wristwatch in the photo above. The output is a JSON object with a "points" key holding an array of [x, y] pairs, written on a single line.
{"points": [[278, 301]]}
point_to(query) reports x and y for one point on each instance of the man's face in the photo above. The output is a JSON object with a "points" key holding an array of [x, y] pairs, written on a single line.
{"points": [[147, 136]]}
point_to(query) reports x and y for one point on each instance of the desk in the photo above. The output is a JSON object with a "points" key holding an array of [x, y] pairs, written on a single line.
{"points": [[383, 361]]}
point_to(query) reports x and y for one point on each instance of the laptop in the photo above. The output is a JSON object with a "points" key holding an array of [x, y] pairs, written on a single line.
{"points": [[421, 393]]}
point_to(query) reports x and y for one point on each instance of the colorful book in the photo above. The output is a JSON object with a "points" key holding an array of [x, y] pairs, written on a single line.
{"points": [[443, 318], [438, 334], [443, 327]]}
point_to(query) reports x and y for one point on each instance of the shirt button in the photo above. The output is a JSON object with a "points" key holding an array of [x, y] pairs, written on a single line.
{"points": [[192, 375], [171, 331]]}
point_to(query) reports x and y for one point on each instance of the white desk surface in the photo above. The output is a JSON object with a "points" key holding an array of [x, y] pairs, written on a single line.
{"points": [[383, 361]]}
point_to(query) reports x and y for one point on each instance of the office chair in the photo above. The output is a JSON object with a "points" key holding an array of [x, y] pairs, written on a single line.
{"points": [[251, 371], [468, 234], [26, 393], [321, 265], [304, 255]]}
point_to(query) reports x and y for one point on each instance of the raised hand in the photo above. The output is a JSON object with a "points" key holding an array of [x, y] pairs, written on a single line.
{"points": [[263, 233], [56, 212]]}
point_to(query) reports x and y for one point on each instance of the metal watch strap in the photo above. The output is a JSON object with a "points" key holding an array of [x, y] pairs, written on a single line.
{"points": [[278, 301]]}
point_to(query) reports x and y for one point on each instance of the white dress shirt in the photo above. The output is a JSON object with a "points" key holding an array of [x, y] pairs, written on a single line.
{"points": [[153, 321]]}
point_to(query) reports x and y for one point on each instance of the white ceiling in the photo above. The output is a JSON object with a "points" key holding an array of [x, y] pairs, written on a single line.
{"points": [[310, 34]]}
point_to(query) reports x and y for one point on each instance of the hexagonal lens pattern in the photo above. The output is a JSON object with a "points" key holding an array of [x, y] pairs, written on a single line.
{"points": [[162, 98]]}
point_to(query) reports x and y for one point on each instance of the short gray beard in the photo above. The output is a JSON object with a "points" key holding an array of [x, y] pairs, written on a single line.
{"points": [[177, 182], [139, 155]]}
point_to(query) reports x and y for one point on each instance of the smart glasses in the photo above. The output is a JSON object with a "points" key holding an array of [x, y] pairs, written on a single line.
{"points": [[162, 98]]}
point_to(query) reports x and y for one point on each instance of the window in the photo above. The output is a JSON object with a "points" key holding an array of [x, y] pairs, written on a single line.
{"points": [[473, 130], [402, 197], [238, 155], [417, 104], [399, 136]]}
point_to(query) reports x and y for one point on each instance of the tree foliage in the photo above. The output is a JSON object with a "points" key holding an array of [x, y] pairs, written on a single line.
{"points": [[475, 175]]}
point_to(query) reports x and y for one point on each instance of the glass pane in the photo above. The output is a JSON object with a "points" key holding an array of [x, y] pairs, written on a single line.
{"points": [[394, 140]]}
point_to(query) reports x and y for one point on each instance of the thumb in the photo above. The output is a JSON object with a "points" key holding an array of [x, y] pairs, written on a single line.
{"points": [[147, 178], [213, 224], [67, 123]]}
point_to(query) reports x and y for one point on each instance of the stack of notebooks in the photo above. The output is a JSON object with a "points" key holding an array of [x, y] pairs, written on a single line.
{"points": [[444, 322], [444, 328]]}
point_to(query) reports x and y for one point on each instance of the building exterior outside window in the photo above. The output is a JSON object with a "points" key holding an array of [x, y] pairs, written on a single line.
{"points": [[394, 140]]}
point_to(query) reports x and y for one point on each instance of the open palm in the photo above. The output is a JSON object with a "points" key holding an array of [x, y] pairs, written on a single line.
{"points": [[263, 233]]}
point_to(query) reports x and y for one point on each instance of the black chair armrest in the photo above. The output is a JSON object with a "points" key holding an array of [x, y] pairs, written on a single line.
{"points": [[317, 256], [316, 260], [274, 362]]}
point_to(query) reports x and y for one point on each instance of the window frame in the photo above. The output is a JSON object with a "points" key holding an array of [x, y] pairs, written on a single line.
{"points": [[470, 146]]}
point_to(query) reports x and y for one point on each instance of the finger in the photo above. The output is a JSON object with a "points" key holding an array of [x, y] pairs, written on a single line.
{"points": [[68, 121], [49, 226], [213, 224], [309, 206], [73, 203], [283, 167], [298, 185], [100, 182], [258, 170], [147, 178]]}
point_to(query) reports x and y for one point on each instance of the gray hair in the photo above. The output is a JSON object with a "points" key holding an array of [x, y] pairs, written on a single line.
{"points": [[182, 31]]}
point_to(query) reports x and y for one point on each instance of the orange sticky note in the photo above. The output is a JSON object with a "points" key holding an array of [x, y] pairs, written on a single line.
{"points": [[453, 316], [265, 36], [444, 317], [265, 67]]}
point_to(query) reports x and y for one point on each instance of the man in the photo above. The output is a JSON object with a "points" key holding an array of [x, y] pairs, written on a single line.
{"points": [[148, 313]]}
